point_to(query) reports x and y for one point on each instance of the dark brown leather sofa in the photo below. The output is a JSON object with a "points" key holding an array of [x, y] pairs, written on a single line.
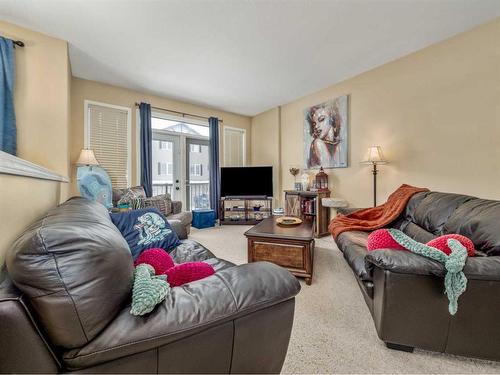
{"points": [[64, 306], [405, 291]]}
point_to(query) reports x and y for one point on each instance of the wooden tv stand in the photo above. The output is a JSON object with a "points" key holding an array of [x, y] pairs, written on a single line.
{"points": [[240, 211]]}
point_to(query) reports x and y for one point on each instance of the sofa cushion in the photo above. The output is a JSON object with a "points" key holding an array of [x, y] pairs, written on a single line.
{"points": [[416, 232], [192, 251], [353, 245], [432, 210], [478, 219], [76, 269], [162, 202], [184, 217]]}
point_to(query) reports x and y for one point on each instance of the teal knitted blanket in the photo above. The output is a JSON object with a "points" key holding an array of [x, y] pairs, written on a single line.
{"points": [[455, 281]]}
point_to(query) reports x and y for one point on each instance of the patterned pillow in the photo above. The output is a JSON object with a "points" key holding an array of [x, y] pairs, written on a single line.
{"points": [[137, 203], [129, 194], [161, 202], [144, 229]]}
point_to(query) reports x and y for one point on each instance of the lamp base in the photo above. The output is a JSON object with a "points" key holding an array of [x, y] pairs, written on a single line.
{"points": [[374, 171]]}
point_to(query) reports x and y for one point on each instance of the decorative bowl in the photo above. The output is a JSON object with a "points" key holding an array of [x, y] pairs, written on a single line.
{"points": [[288, 221]]}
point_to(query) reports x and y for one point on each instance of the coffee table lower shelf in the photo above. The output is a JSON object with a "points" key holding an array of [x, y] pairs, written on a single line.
{"points": [[296, 255]]}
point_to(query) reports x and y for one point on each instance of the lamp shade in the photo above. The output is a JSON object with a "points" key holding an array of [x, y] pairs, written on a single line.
{"points": [[87, 157], [374, 155]]}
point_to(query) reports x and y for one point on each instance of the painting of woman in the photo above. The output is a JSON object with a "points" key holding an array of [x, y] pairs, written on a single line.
{"points": [[325, 134]]}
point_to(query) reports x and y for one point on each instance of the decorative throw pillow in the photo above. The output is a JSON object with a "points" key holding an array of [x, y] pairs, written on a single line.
{"points": [[186, 272], [157, 258], [381, 239], [144, 229], [128, 193], [162, 202], [441, 243]]}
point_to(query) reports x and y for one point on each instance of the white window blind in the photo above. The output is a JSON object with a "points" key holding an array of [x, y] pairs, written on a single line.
{"points": [[234, 147], [108, 135]]}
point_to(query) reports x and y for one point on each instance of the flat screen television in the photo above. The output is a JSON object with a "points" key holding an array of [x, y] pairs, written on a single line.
{"points": [[246, 181]]}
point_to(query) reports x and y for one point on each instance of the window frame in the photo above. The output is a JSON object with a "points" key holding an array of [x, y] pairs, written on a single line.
{"points": [[86, 130]]}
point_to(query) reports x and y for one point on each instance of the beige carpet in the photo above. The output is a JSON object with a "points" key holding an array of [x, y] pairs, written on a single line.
{"points": [[333, 331]]}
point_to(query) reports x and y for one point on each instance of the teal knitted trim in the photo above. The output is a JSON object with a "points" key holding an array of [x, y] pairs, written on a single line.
{"points": [[455, 281], [148, 291]]}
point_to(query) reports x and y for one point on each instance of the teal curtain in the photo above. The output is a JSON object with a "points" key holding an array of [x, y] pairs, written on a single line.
{"points": [[8, 132]]}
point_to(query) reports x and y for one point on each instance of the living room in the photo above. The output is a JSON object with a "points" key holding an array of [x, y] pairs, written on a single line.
{"points": [[288, 149]]}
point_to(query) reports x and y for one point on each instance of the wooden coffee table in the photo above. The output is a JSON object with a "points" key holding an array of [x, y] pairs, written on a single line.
{"points": [[289, 247]]}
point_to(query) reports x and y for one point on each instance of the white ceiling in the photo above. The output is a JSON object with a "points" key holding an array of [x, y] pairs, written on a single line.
{"points": [[241, 56]]}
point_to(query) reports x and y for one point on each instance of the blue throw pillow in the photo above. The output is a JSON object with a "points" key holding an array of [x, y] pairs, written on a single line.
{"points": [[144, 229]]}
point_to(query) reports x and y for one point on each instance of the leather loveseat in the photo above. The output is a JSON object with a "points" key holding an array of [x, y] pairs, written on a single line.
{"points": [[64, 306], [405, 291]]}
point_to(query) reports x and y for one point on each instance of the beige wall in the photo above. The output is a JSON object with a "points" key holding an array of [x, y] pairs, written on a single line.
{"points": [[42, 113], [436, 114], [266, 145], [82, 90]]}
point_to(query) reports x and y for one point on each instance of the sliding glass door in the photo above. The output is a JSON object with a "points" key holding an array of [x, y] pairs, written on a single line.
{"points": [[198, 174], [180, 161], [166, 165]]}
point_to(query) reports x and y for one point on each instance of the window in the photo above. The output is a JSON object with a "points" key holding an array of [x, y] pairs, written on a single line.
{"points": [[167, 123], [186, 158], [162, 168], [165, 168], [234, 147], [196, 170], [164, 145], [107, 133], [195, 148]]}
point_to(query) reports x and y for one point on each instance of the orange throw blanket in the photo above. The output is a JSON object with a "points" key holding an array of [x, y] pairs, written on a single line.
{"points": [[378, 217]]}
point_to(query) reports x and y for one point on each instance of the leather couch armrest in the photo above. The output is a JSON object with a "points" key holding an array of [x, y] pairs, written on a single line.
{"points": [[176, 207], [483, 268], [179, 228], [403, 262], [476, 268], [191, 308]]}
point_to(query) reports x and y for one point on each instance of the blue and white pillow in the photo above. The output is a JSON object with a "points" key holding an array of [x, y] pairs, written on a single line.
{"points": [[144, 229]]}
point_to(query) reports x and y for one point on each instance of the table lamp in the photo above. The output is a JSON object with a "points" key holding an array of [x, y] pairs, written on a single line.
{"points": [[87, 158], [373, 157]]}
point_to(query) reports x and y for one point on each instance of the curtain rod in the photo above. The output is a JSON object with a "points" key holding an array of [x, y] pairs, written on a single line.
{"points": [[16, 42], [179, 113]]}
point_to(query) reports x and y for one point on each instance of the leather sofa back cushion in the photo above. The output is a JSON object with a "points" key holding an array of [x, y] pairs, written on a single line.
{"points": [[478, 219], [75, 268], [432, 214], [433, 211]]}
